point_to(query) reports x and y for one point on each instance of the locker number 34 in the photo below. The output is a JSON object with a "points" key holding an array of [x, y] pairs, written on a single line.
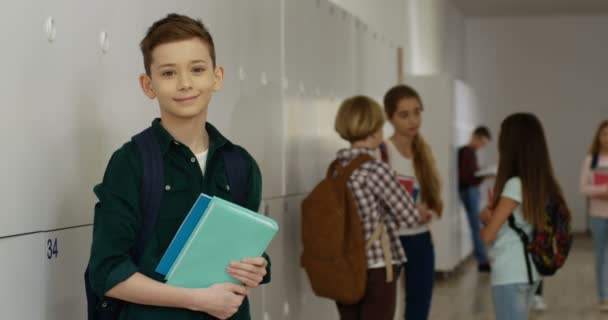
{"points": [[51, 248]]}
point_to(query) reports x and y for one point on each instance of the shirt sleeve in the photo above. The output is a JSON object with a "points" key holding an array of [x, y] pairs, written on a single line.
{"points": [[393, 196], [586, 182], [116, 221], [512, 189]]}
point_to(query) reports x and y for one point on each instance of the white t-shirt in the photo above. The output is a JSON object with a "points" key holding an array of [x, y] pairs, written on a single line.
{"points": [[507, 253], [404, 168], [202, 160]]}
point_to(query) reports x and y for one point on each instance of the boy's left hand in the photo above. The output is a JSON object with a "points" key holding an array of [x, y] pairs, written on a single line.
{"points": [[250, 271]]}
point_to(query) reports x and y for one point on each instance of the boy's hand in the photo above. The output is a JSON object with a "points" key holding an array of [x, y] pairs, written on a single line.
{"points": [[250, 271], [485, 215], [425, 214], [220, 300]]}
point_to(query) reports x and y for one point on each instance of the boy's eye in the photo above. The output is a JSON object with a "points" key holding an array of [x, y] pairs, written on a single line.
{"points": [[198, 69], [168, 73]]}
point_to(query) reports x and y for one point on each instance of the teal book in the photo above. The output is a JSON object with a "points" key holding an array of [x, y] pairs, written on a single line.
{"points": [[224, 233], [183, 234]]}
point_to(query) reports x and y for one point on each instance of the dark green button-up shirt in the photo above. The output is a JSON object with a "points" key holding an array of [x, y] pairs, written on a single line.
{"points": [[118, 215]]}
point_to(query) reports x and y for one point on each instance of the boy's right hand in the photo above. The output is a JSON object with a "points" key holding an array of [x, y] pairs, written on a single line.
{"points": [[220, 300]]}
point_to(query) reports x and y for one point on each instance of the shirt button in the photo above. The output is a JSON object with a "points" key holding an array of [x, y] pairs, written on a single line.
{"points": [[193, 159], [176, 143], [167, 187]]}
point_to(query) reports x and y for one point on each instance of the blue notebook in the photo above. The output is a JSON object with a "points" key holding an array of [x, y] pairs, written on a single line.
{"points": [[215, 233], [183, 233]]}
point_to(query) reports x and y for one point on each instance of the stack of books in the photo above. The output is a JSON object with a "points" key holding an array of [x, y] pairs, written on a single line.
{"points": [[214, 233]]}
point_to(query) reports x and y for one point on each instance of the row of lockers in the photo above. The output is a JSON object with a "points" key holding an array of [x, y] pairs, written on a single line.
{"points": [[42, 273], [75, 98]]}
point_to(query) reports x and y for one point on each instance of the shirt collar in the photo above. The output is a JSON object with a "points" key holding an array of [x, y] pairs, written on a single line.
{"points": [[216, 139], [351, 153]]}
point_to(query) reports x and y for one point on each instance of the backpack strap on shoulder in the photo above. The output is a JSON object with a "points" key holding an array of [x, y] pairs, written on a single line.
{"points": [[151, 188], [356, 163], [237, 172], [525, 241]]}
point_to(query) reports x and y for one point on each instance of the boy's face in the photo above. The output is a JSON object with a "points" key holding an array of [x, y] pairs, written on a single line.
{"points": [[182, 78], [479, 141]]}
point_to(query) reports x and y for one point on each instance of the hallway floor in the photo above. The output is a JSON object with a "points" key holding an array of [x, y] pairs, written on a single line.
{"points": [[570, 294]]}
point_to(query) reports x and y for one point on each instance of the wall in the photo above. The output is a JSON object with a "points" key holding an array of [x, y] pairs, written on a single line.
{"points": [[554, 67], [70, 102]]}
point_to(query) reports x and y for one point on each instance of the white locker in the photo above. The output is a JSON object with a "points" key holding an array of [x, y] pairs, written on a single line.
{"points": [[64, 266], [23, 277]]}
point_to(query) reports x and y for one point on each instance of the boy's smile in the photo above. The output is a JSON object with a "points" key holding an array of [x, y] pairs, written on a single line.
{"points": [[183, 79]]}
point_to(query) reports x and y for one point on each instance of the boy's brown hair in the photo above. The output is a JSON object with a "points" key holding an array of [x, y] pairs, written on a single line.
{"points": [[174, 28], [358, 118]]}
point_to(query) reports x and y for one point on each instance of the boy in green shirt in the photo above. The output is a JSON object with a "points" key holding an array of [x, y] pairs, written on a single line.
{"points": [[182, 75]]}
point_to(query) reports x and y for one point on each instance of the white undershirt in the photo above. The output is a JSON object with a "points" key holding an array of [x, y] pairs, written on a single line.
{"points": [[404, 168], [202, 160]]}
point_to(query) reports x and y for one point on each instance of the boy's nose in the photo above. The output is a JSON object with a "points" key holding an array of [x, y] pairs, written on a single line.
{"points": [[184, 83]]}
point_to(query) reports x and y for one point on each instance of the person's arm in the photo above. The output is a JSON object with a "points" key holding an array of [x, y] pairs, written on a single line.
{"points": [[494, 219], [400, 204], [220, 300], [111, 270], [586, 185]]}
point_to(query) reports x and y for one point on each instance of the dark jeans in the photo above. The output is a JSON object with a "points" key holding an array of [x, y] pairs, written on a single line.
{"points": [[378, 303], [470, 198], [419, 275]]}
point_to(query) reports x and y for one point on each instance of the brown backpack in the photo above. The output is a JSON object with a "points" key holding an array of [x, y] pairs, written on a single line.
{"points": [[334, 254]]}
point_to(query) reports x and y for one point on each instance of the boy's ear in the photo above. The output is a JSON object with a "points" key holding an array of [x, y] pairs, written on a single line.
{"points": [[146, 85], [218, 75]]}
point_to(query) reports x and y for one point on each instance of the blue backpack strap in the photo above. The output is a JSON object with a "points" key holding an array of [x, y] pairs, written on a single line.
{"points": [[151, 190], [237, 172], [595, 159]]}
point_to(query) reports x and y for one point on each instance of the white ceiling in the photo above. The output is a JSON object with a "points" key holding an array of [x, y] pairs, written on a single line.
{"points": [[480, 8]]}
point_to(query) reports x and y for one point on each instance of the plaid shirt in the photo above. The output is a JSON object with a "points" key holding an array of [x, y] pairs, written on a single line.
{"points": [[380, 198]]}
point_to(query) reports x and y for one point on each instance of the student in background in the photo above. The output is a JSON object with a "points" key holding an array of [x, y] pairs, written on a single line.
{"points": [[380, 199], [412, 160], [182, 75], [524, 183], [468, 187], [596, 162]]}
